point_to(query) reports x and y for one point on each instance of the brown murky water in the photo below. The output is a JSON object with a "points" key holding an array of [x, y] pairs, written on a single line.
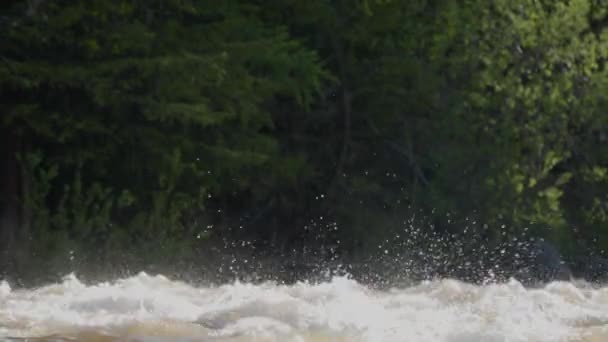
{"points": [[154, 308]]}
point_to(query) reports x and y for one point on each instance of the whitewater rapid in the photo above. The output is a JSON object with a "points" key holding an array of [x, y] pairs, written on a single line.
{"points": [[154, 308]]}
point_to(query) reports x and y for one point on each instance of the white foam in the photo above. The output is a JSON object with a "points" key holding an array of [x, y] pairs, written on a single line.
{"points": [[447, 310]]}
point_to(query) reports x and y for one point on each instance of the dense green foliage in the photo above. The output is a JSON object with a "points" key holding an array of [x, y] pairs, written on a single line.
{"points": [[172, 126]]}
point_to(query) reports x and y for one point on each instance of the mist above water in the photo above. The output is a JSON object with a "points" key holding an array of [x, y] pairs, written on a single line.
{"points": [[407, 291]]}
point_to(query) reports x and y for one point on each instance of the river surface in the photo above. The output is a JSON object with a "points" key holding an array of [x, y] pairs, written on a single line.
{"points": [[154, 308]]}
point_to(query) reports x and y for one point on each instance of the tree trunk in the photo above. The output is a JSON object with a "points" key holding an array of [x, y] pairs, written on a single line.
{"points": [[346, 107], [10, 199]]}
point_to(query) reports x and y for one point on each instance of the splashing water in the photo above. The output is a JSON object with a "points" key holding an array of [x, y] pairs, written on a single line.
{"points": [[154, 308]]}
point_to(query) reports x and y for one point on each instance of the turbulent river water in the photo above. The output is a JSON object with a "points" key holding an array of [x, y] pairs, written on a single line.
{"points": [[154, 308]]}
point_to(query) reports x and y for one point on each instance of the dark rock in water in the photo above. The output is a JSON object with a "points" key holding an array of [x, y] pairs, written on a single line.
{"points": [[544, 264]]}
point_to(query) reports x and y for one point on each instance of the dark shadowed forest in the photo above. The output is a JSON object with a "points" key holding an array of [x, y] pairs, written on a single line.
{"points": [[420, 137]]}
